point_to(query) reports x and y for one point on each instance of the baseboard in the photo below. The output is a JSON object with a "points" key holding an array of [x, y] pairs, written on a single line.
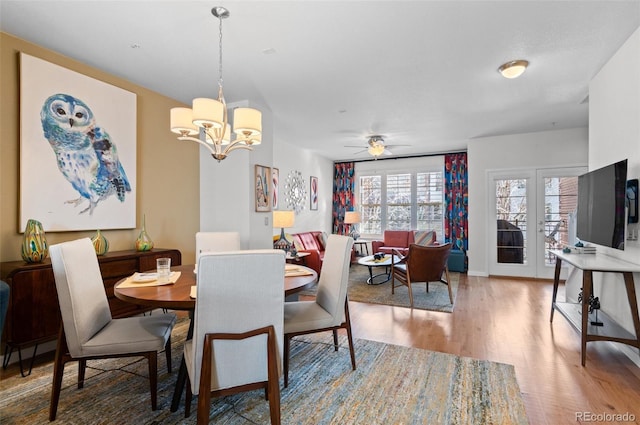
{"points": [[477, 273]]}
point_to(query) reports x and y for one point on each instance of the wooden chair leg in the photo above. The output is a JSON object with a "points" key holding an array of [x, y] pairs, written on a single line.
{"points": [[188, 398], [152, 358], [446, 272], [335, 340], [58, 371], [82, 368], [349, 334], [273, 384], [167, 353], [285, 360], [410, 292]]}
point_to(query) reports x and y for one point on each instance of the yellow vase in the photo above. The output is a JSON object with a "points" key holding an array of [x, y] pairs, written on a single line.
{"points": [[100, 243], [34, 243]]}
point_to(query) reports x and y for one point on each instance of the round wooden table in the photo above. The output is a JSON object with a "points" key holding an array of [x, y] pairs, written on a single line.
{"points": [[177, 296]]}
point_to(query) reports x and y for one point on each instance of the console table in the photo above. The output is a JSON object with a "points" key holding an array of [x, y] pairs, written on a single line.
{"points": [[578, 314], [33, 316]]}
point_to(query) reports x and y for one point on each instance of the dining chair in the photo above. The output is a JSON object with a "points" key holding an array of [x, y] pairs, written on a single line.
{"points": [[421, 264], [238, 328], [330, 310], [88, 331], [217, 242]]}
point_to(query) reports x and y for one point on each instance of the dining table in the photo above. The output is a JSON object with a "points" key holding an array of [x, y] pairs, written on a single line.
{"points": [[178, 296]]}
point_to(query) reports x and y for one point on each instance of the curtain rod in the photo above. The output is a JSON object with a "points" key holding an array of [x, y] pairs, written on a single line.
{"points": [[402, 157]]}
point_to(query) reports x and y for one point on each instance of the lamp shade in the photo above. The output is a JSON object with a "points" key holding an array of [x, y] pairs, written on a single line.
{"points": [[283, 219], [352, 217], [247, 121], [182, 121], [376, 150], [208, 112]]}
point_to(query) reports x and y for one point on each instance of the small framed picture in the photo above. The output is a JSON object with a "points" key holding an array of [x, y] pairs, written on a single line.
{"points": [[275, 193], [313, 193], [263, 188]]}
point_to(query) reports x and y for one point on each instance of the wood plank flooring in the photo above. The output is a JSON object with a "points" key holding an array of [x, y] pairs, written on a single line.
{"points": [[507, 320]]}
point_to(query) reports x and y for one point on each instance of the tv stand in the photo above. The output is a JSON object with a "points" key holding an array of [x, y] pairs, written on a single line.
{"points": [[578, 314]]}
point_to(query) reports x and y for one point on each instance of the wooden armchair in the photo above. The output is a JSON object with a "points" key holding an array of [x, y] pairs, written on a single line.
{"points": [[421, 264]]}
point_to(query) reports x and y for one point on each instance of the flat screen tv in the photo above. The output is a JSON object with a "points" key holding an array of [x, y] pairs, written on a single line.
{"points": [[601, 216]]}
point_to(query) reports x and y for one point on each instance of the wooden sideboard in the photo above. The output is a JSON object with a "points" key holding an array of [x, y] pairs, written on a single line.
{"points": [[34, 316]]}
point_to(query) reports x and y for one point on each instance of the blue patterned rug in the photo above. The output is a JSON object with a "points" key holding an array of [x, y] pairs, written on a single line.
{"points": [[392, 385]]}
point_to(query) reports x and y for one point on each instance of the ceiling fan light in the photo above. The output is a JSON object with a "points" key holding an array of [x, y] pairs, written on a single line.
{"points": [[513, 69], [376, 150]]}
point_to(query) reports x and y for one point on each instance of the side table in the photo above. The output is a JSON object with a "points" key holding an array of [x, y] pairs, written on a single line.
{"points": [[362, 247]]}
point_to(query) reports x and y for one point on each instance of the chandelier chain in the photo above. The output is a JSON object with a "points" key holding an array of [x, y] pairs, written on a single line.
{"points": [[220, 53]]}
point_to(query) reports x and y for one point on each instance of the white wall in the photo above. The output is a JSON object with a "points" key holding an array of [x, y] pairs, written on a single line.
{"points": [[230, 182], [545, 149], [614, 134], [287, 158]]}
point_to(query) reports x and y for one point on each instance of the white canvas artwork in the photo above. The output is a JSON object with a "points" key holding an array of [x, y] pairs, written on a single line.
{"points": [[77, 150]]}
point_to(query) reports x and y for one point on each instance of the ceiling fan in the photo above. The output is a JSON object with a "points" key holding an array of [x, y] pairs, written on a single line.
{"points": [[376, 146]]}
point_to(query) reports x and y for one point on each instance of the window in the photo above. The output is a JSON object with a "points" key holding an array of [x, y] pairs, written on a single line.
{"points": [[401, 201]]}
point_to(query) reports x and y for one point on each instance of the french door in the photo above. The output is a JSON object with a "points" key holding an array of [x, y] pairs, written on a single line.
{"points": [[530, 212]]}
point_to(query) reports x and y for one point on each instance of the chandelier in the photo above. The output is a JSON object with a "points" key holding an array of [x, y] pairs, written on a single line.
{"points": [[208, 117]]}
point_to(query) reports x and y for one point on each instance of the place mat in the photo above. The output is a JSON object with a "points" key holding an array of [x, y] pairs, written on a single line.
{"points": [[130, 282], [298, 272]]}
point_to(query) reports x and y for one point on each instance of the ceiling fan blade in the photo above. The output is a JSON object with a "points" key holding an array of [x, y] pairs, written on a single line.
{"points": [[353, 146], [396, 146], [359, 152], [387, 152]]}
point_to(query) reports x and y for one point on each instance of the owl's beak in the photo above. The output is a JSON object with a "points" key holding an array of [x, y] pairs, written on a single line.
{"points": [[71, 122]]}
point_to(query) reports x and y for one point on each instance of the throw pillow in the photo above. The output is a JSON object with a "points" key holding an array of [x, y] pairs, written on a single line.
{"points": [[424, 237]]}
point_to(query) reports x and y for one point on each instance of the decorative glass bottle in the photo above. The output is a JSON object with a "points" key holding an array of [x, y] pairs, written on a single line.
{"points": [[144, 242], [34, 244], [100, 243]]}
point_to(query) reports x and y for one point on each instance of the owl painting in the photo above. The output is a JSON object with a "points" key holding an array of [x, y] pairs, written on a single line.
{"points": [[85, 154]]}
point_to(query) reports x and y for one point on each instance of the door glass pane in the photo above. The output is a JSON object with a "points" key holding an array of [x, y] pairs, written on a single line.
{"points": [[560, 200], [511, 216]]}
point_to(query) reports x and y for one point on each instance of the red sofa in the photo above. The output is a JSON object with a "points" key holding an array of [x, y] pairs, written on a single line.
{"points": [[400, 241], [310, 242]]}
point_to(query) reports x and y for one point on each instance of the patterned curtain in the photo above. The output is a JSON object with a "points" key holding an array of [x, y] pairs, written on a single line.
{"points": [[343, 194], [456, 200]]}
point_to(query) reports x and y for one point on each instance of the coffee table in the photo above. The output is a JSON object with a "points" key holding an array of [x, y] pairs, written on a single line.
{"points": [[385, 262]]}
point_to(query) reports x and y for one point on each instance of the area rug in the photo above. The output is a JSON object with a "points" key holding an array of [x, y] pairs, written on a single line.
{"points": [[437, 299], [392, 385]]}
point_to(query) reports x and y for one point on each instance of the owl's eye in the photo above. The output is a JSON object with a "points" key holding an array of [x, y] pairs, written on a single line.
{"points": [[61, 111], [79, 115]]}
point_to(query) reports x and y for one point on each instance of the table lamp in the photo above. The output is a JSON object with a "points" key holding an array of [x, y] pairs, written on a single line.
{"points": [[352, 218], [283, 219]]}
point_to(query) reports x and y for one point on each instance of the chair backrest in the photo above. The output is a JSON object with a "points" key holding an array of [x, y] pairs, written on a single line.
{"points": [[217, 242], [334, 276], [238, 292], [427, 263], [81, 294]]}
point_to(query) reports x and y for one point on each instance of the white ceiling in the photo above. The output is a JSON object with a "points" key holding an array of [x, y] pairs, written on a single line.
{"points": [[421, 73]]}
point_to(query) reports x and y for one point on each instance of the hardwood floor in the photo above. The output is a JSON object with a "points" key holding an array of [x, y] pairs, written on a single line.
{"points": [[507, 320]]}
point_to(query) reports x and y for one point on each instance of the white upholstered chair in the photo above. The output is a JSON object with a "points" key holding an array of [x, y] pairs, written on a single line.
{"points": [[88, 331], [330, 310], [217, 242], [238, 328]]}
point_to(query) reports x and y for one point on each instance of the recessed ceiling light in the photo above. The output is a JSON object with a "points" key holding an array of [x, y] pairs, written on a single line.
{"points": [[135, 46], [513, 69], [269, 51]]}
